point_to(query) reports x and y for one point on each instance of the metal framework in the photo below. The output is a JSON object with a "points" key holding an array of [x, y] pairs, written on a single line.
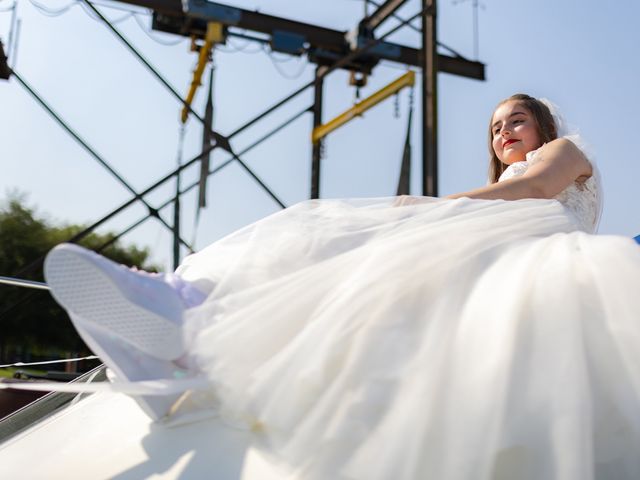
{"points": [[358, 51], [408, 79], [383, 12], [431, 62], [328, 48]]}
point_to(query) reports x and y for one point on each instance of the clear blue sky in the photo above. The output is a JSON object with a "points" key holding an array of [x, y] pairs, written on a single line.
{"points": [[580, 54]]}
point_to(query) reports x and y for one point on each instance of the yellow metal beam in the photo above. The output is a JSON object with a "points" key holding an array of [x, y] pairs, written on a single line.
{"points": [[214, 35], [359, 108]]}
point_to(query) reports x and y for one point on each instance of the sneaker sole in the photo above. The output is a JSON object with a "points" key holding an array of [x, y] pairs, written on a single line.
{"points": [[84, 289], [127, 368]]}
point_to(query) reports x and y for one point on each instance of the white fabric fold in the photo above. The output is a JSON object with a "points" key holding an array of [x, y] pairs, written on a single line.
{"points": [[448, 339]]}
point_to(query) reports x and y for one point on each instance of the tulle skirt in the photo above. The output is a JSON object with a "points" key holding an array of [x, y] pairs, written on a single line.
{"points": [[440, 339]]}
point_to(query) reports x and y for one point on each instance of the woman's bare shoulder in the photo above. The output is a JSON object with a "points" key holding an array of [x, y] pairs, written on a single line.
{"points": [[565, 151]]}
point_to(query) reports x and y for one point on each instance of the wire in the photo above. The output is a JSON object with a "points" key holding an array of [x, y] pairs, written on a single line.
{"points": [[276, 63], [284, 58], [49, 12], [92, 15], [249, 40], [53, 12], [91, 378], [245, 47], [135, 13], [12, 23], [60, 11], [475, 4], [48, 362], [132, 8]]}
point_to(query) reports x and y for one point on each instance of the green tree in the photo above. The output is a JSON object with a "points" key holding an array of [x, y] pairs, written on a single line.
{"points": [[32, 325]]}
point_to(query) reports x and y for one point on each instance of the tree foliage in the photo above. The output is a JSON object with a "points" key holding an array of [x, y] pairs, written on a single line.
{"points": [[31, 322]]}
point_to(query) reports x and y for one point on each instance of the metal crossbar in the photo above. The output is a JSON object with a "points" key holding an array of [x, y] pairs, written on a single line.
{"points": [[17, 282]]}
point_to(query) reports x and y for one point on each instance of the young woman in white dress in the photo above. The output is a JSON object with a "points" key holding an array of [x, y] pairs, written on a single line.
{"points": [[487, 335]]}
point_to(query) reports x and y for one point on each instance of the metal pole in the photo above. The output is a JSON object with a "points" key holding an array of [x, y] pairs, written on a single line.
{"points": [[317, 121], [176, 201], [429, 100], [206, 142], [19, 282], [176, 225]]}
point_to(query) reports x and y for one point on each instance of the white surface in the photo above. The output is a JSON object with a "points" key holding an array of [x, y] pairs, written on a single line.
{"points": [[108, 436]]}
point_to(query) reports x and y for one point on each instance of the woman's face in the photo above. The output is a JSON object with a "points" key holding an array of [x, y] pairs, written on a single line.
{"points": [[514, 132]]}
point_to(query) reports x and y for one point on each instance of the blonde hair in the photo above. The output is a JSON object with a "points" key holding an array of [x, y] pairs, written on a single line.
{"points": [[547, 129]]}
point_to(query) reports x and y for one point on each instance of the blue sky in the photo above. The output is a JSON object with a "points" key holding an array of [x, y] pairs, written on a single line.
{"points": [[579, 54]]}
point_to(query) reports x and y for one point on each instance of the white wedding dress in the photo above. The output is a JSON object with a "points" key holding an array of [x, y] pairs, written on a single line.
{"points": [[428, 338]]}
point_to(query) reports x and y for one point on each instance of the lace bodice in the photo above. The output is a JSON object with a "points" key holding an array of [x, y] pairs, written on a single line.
{"points": [[583, 199]]}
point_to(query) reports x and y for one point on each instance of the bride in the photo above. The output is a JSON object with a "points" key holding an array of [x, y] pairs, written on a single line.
{"points": [[486, 335]]}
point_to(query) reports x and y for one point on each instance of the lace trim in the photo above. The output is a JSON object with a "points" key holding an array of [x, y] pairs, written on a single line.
{"points": [[581, 198]]}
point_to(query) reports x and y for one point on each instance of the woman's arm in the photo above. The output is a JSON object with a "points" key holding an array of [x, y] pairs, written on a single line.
{"points": [[562, 163]]}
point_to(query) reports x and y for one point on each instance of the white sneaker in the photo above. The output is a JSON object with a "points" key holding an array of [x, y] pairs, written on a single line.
{"points": [[131, 365], [115, 308], [140, 309]]}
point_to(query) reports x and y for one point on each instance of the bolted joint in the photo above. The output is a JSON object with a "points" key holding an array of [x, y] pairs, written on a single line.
{"points": [[153, 212], [5, 71]]}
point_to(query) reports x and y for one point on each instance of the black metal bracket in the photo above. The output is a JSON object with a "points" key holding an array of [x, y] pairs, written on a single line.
{"points": [[5, 71]]}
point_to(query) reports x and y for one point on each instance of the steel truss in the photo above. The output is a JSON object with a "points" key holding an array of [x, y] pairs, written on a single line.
{"points": [[358, 51]]}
